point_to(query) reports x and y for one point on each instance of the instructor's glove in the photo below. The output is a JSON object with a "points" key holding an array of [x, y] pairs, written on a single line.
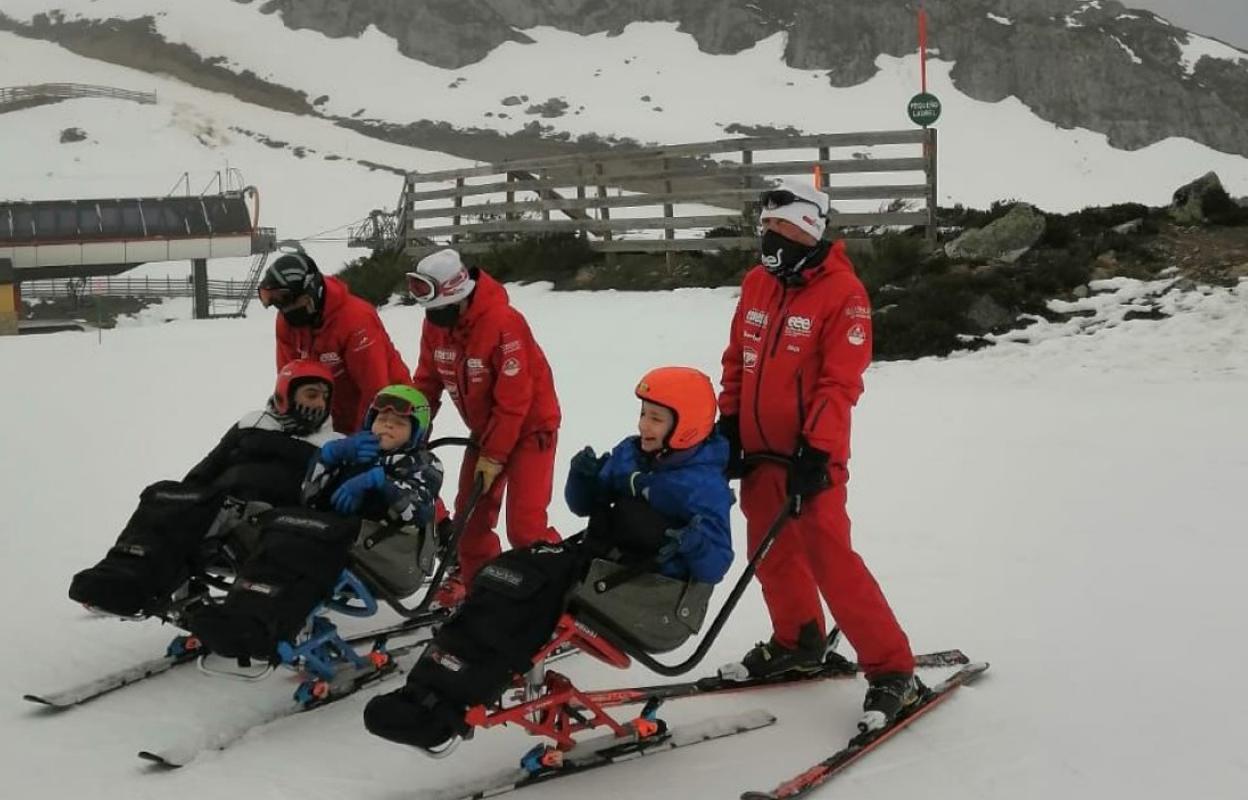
{"points": [[359, 448], [489, 470], [348, 497], [808, 476], [730, 429]]}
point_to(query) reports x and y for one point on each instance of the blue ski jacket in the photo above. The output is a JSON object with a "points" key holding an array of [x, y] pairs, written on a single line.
{"points": [[686, 485]]}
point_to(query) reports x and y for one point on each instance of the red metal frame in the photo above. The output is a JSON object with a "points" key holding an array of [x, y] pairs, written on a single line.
{"points": [[562, 710]]}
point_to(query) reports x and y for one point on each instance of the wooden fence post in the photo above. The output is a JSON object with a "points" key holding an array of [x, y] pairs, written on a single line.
{"points": [[580, 194], [544, 174], [929, 153], [458, 203], [668, 212], [747, 182], [510, 216], [604, 213]]}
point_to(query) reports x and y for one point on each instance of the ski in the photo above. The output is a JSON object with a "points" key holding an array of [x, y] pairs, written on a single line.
{"points": [[605, 750], [97, 687], [834, 666], [806, 782], [348, 682], [344, 685]]}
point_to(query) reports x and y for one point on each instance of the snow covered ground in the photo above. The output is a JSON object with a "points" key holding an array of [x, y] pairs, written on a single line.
{"points": [[1070, 510]]}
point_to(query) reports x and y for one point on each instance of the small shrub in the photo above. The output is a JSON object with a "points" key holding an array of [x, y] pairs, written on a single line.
{"points": [[377, 276]]}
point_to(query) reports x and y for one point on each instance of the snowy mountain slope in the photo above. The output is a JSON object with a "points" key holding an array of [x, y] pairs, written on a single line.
{"points": [[141, 150], [651, 83], [1078, 63], [1068, 510]]}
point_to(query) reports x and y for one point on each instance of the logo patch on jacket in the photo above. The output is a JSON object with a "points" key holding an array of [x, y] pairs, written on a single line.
{"points": [[756, 317], [856, 310], [476, 370], [330, 358], [511, 367], [857, 335], [749, 359], [797, 326], [446, 354]]}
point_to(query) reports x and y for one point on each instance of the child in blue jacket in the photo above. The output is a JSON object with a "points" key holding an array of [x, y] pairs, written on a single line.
{"points": [[659, 497], [676, 464]]}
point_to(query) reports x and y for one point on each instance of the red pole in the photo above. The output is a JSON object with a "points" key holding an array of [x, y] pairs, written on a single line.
{"points": [[923, 44]]}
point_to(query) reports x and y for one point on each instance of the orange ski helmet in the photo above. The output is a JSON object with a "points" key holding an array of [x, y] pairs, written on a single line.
{"points": [[688, 394]]}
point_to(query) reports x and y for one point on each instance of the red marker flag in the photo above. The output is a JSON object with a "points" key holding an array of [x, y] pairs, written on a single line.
{"points": [[923, 44]]}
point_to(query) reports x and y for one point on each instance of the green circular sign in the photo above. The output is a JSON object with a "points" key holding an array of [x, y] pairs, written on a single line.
{"points": [[924, 109]]}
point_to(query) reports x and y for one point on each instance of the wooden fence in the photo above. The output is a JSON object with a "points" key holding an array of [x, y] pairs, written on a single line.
{"points": [[701, 196], [109, 286], [19, 94]]}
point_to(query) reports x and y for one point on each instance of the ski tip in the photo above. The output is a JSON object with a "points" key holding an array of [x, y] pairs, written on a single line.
{"points": [[49, 702], [757, 796], [157, 760]]}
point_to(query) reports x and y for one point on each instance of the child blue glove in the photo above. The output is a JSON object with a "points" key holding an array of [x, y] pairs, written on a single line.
{"points": [[678, 541], [359, 448], [671, 545], [587, 463], [348, 497]]}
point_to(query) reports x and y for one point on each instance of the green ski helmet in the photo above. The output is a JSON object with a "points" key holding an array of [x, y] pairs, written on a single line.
{"points": [[407, 401]]}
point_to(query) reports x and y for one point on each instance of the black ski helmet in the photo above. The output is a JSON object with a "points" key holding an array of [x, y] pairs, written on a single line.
{"points": [[291, 276]]}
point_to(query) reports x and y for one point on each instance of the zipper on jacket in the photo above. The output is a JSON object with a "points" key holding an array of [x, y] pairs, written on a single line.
{"points": [[762, 363], [463, 373], [801, 411]]}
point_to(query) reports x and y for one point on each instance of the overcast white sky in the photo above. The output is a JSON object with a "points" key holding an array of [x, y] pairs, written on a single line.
{"points": [[1224, 19]]}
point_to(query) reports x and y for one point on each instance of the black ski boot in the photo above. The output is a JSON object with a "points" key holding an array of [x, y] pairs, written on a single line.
{"points": [[770, 658], [889, 695]]}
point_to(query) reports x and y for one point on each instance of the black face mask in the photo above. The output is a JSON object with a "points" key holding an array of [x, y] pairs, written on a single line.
{"points": [[301, 317], [786, 258], [445, 316], [308, 419]]}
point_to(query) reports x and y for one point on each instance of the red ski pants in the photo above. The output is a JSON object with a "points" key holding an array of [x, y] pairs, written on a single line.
{"points": [[813, 556], [526, 479]]}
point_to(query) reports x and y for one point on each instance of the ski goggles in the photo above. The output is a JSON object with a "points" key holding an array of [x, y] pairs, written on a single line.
{"points": [[422, 288], [393, 403], [778, 198], [279, 296]]}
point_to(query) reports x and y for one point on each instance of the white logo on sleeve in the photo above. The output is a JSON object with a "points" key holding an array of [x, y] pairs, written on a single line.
{"points": [[511, 367], [857, 335]]}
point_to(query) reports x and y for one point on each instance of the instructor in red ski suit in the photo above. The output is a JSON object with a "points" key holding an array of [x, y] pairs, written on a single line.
{"points": [[800, 342], [479, 348], [322, 321]]}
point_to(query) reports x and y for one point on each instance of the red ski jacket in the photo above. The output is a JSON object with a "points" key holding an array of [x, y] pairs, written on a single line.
{"points": [[353, 343], [492, 368], [795, 359]]}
